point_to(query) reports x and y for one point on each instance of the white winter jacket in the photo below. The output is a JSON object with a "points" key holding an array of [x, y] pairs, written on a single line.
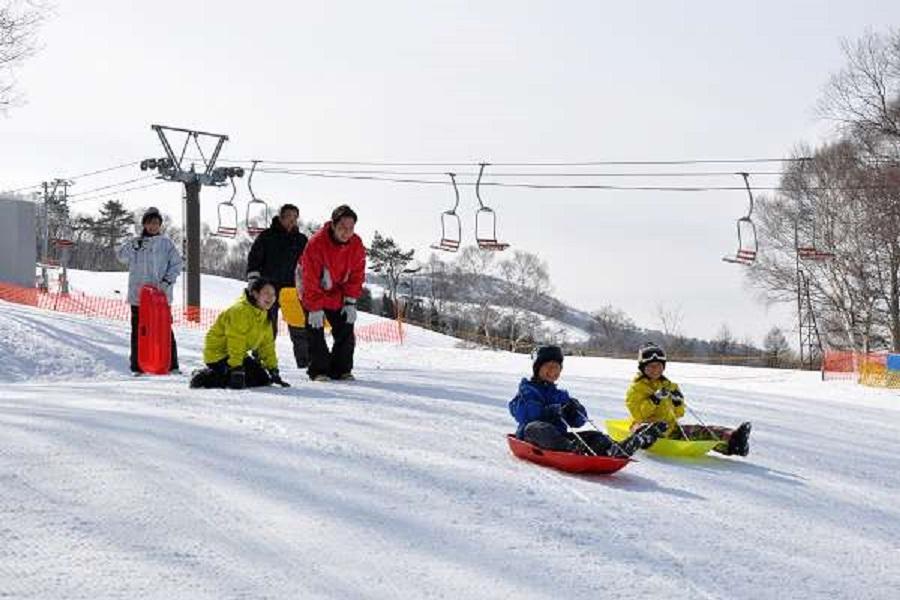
{"points": [[152, 259]]}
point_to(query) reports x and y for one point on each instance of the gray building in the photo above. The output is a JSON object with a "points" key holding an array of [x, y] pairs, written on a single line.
{"points": [[18, 253]]}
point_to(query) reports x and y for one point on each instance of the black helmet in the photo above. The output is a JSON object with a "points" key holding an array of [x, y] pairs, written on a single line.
{"points": [[650, 353]]}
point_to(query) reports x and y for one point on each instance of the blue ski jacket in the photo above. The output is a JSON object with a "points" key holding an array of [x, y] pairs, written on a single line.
{"points": [[540, 401]]}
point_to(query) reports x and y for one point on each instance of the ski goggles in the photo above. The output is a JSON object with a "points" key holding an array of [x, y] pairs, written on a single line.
{"points": [[652, 354]]}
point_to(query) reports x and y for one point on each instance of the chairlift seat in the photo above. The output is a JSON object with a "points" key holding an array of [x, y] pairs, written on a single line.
{"points": [[741, 257], [449, 218], [813, 253], [491, 245]]}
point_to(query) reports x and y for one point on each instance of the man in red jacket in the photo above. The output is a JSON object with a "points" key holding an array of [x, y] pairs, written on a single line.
{"points": [[333, 270]]}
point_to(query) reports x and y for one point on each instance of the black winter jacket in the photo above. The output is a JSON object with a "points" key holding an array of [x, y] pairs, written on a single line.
{"points": [[274, 254]]}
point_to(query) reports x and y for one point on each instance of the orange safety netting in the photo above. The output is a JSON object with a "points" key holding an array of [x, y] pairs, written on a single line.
{"points": [[114, 309], [866, 368]]}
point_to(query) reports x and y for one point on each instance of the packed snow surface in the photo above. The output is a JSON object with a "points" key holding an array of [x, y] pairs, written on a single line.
{"points": [[400, 485]]}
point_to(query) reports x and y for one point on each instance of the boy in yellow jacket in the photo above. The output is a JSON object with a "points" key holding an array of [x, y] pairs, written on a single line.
{"points": [[653, 397], [242, 329]]}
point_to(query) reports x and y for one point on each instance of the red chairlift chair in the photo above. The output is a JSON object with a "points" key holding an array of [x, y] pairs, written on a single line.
{"points": [[748, 245], [257, 210], [227, 225], [486, 235], [449, 221]]}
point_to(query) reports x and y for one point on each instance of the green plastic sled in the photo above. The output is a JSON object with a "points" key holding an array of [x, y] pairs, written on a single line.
{"points": [[619, 429]]}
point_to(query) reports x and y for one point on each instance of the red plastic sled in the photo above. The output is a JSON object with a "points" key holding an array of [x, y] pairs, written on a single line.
{"points": [[154, 331], [565, 461]]}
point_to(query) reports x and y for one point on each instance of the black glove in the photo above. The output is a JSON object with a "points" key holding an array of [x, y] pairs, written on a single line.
{"points": [[572, 410], [659, 395], [236, 380], [275, 376], [137, 243], [677, 398], [552, 412]]}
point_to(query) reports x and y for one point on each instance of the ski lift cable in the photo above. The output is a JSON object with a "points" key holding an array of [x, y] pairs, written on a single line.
{"points": [[532, 163], [75, 177], [524, 185], [111, 185], [115, 192], [526, 174]]}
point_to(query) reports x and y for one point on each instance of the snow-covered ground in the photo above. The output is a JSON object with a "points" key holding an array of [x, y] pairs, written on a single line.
{"points": [[400, 485]]}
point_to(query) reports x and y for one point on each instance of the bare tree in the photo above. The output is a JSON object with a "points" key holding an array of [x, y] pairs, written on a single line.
{"points": [[776, 348], [19, 24], [864, 97], [844, 207], [474, 270], [527, 282], [724, 341], [611, 328]]}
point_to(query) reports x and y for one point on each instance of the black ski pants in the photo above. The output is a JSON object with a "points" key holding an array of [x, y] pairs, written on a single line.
{"points": [[546, 435], [133, 356], [339, 360], [215, 375]]}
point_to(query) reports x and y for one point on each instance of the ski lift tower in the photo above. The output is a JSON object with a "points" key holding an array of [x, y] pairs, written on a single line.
{"points": [[810, 340], [172, 167]]}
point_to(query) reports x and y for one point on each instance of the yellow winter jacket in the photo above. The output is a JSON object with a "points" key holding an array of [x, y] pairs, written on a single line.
{"points": [[637, 399], [240, 329]]}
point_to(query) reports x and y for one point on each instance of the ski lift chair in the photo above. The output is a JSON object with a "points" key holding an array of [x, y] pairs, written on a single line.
{"points": [[808, 249], [486, 221], [748, 244], [450, 221], [257, 210], [64, 237], [227, 225], [813, 253]]}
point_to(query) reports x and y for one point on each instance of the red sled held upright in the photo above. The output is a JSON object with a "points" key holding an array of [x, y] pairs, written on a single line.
{"points": [[154, 331]]}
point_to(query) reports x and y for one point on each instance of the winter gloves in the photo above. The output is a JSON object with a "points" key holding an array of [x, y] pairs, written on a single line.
{"points": [[568, 412], [661, 394], [572, 409], [316, 319], [349, 310], [275, 376]]}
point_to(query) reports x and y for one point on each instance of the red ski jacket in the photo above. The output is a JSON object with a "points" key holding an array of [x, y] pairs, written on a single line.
{"points": [[331, 271]]}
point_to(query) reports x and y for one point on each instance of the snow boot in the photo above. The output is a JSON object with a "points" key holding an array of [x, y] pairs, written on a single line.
{"points": [[206, 378], [739, 440], [642, 438]]}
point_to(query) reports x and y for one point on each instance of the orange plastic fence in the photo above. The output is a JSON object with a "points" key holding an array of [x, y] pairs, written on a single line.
{"points": [[194, 317]]}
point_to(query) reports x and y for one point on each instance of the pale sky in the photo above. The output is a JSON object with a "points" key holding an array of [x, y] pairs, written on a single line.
{"points": [[460, 82]]}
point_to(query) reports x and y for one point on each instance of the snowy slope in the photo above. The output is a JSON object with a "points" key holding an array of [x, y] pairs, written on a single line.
{"points": [[400, 485]]}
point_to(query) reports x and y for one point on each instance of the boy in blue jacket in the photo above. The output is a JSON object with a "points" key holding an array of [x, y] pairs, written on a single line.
{"points": [[545, 413]]}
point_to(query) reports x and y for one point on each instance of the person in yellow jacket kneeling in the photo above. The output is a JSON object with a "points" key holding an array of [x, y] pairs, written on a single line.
{"points": [[240, 349], [653, 397]]}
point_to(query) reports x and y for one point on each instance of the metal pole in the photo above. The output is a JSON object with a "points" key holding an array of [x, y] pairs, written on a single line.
{"points": [[45, 243], [192, 238], [64, 250]]}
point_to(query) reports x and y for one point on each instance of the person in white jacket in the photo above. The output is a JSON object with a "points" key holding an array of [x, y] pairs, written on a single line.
{"points": [[153, 259]]}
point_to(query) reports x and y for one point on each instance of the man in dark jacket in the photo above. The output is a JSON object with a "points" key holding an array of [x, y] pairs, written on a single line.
{"points": [[274, 256]]}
